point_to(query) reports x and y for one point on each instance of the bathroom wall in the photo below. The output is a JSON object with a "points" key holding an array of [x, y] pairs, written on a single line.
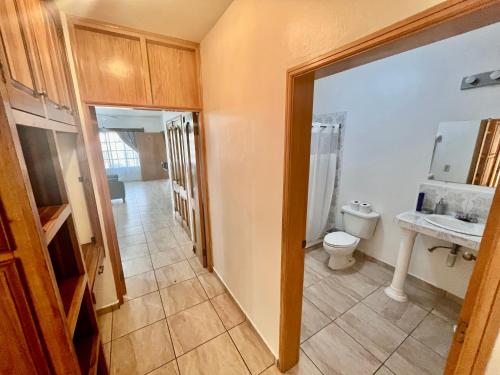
{"points": [[393, 109], [244, 61]]}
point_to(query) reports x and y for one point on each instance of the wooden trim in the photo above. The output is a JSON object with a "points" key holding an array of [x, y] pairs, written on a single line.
{"points": [[447, 19], [131, 32], [97, 162], [142, 106], [27, 119]]}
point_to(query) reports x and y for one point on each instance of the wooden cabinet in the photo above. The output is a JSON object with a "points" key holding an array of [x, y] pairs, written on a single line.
{"points": [[34, 59], [18, 62], [26, 356], [110, 67], [174, 76], [120, 66]]}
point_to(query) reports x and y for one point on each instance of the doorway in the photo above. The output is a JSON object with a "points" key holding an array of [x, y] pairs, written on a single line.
{"points": [[148, 238], [401, 37]]}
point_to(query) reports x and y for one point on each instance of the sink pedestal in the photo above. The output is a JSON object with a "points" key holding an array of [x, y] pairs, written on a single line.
{"points": [[396, 289]]}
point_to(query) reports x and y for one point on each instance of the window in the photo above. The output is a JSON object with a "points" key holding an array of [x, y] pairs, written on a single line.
{"points": [[116, 153]]}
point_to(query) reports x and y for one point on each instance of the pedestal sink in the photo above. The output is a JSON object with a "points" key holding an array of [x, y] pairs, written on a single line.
{"points": [[455, 225], [439, 226]]}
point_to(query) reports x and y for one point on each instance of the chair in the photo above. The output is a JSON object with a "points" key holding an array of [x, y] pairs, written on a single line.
{"points": [[116, 187]]}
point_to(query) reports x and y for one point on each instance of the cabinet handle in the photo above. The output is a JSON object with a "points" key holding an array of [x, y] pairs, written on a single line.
{"points": [[40, 93]]}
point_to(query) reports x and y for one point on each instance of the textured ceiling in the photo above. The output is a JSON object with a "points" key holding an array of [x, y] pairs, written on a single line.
{"points": [[185, 19]]}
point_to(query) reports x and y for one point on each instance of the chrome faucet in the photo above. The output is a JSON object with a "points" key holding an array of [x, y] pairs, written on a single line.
{"points": [[469, 218]]}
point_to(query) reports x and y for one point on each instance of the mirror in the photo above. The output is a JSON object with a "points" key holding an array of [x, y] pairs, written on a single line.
{"points": [[467, 152]]}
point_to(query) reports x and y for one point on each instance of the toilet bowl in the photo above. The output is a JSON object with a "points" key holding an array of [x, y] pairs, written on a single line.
{"points": [[341, 245]]}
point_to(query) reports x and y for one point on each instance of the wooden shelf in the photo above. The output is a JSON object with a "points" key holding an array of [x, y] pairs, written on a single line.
{"points": [[92, 255], [72, 291], [52, 218], [28, 119], [87, 350]]}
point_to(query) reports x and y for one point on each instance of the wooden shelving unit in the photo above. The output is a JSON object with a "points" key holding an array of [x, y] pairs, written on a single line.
{"points": [[52, 217], [69, 262]]}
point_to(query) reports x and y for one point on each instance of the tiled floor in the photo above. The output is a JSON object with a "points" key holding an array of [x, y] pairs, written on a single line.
{"points": [[177, 318], [349, 326]]}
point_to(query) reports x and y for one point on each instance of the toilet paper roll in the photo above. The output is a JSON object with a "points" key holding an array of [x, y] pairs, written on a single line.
{"points": [[365, 208], [355, 205]]}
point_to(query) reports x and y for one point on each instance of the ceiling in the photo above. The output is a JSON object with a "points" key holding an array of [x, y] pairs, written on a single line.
{"points": [[185, 19]]}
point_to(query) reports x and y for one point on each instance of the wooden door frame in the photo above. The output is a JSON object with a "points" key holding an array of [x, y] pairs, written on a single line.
{"points": [[482, 301], [90, 128]]}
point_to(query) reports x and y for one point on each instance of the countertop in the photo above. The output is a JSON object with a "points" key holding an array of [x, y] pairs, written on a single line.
{"points": [[414, 221]]}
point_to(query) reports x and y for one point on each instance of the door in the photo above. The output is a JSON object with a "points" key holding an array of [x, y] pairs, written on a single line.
{"points": [[152, 152], [50, 54], [17, 63], [22, 351], [178, 174], [191, 128]]}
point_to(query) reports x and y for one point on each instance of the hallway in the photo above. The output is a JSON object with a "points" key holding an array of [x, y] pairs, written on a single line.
{"points": [[177, 318]]}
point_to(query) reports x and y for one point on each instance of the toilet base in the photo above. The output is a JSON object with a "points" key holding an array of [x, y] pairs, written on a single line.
{"points": [[340, 262]]}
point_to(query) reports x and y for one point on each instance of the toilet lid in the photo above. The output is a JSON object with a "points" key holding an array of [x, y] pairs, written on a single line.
{"points": [[340, 239]]}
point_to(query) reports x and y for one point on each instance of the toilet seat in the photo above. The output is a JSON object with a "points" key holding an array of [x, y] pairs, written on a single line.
{"points": [[340, 239]]}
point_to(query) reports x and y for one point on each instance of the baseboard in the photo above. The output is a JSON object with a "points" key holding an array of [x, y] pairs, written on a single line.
{"points": [[108, 308], [246, 316]]}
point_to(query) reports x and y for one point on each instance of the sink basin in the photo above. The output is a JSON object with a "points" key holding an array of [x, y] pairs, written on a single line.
{"points": [[455, 225]]}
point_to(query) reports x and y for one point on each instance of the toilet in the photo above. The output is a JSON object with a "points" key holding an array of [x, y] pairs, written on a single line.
{"points": [[341, 245]]}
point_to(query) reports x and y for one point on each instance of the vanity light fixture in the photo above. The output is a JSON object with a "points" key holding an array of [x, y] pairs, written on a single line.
{"points": [[481, 79]]}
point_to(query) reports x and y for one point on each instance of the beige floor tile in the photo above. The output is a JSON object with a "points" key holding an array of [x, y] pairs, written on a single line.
{"points": [[425, 298], [173, 274], [105, 325], [140, 285], [228, 310], [414, 358], [162, 238], [137, 313], [133, 239], [180, 235], [304, 367], [152, 225], [320, 268], [358, 285], [251, 347], [193, 327], [196, 266], [405, 315], [334, 352], [313, 320], [129, 230], [134, 251], [187, 250], [374, 271], [211, 284], [319, 254], [447, 309], [107, 354], [166, 257], [142, 351], [136, 266], [436, 333], [310, 277], [330, 298], [168, 369], [384, 371], [181, 296], [217, 357], [377, 335]]}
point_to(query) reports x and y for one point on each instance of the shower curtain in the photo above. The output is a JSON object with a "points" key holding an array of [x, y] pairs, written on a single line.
{"points": [[322, 174]]}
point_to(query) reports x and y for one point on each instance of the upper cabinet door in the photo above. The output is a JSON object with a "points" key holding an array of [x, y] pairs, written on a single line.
{"points": [[18, 66], [110, 67], [50, 54], [174, 76]]}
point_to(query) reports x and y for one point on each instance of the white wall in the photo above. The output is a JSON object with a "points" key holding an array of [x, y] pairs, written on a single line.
{"points": [[244, 61], [393, 109]]}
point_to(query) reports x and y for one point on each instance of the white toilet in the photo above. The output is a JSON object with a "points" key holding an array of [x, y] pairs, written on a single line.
{"points": [[341, 245]]}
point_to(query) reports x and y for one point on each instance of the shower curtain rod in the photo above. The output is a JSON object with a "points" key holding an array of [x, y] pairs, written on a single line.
{"points": [[324, 126]]}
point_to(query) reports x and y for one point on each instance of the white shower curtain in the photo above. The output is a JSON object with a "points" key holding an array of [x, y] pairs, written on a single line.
{"points": [[322, 171]]}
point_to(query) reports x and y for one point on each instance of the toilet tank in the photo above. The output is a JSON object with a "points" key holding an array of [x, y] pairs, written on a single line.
{"points": [[358, 223]]}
